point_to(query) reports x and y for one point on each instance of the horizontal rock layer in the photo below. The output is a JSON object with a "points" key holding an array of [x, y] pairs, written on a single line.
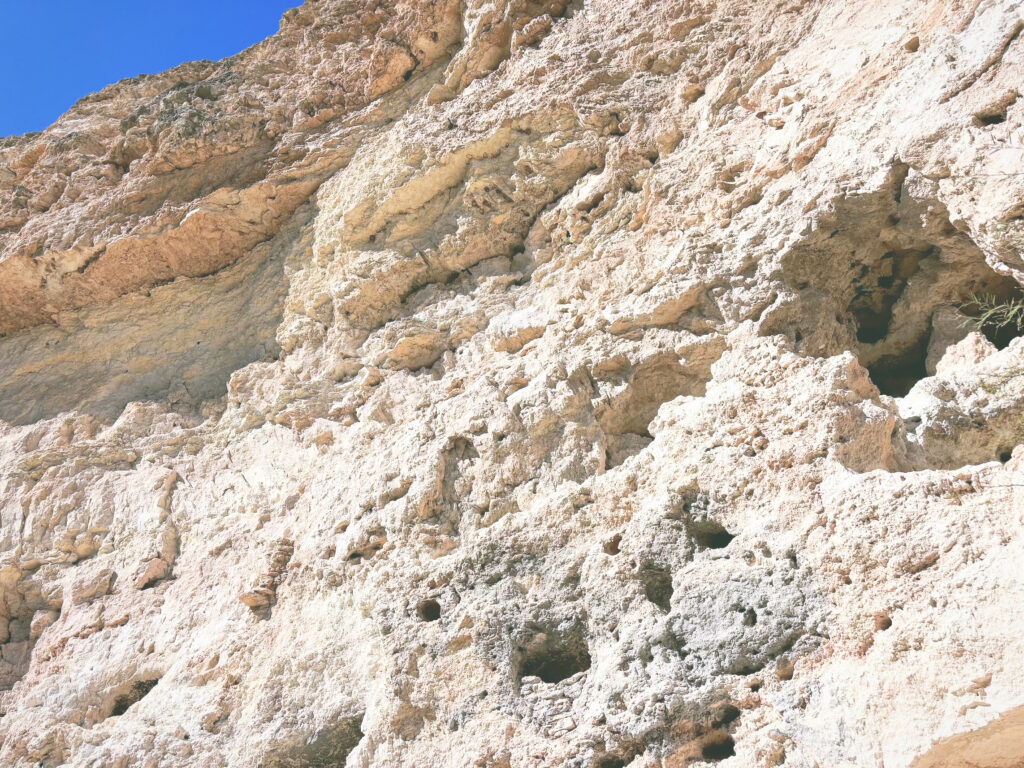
{"points": [[523, 383]]}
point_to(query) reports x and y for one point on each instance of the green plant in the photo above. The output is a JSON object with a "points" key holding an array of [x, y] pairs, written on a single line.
{"points": [[990, 313], [994, 384]]}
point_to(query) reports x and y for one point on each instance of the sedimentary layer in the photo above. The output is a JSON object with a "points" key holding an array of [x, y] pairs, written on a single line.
{"points": [[523, 383]]}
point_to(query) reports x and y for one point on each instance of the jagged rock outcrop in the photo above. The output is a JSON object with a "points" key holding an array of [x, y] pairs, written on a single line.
{"points": [[523, 383]]}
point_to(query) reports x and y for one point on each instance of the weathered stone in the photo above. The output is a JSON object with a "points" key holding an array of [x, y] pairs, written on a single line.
{"points": [[523, 383], [153, 571]]}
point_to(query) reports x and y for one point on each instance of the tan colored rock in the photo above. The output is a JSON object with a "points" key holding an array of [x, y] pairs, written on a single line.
{"points": [[522, 383], [89, 585], [261, 597], [153, 571], [949, 326]]}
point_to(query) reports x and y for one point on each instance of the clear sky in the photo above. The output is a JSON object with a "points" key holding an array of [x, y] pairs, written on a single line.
{"points": [[54, 52]]}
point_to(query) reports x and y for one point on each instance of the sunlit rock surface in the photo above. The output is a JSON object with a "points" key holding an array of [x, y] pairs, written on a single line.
{"points": [[523, 383]]}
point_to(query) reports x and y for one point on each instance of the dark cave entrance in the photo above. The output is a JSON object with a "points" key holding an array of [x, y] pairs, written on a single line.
{"points": [[896, 375]]}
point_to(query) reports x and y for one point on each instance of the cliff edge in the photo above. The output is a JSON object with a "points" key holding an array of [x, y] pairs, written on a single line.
{"points": [[507, 383]]}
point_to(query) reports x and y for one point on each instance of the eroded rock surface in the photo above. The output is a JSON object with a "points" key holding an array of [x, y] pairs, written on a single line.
{"points": [[523, 383]]}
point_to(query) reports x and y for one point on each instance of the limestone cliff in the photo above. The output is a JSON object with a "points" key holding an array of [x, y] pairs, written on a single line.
{"points": [[523, 383]]}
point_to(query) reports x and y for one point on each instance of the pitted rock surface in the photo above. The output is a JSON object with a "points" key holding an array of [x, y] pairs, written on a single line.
{"points": [[523, 383]]}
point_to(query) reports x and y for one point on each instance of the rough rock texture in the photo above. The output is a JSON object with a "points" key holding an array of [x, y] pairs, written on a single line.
{"points": [[523, 383]]}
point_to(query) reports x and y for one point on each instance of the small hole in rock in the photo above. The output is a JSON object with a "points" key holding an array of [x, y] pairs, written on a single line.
{"points": [[611, 547], [1005, 456], [896, 375], [555, 662], [429, 610], [610, 761], [658, 589], [993, 118], [710, 535], [719, 748], [724, 713], [134, 695], [653, 383], [556, 668]]}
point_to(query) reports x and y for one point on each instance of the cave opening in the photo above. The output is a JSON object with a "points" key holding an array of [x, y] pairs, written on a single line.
{"points": [[709, 534], [658, 588], [895, 375], [718, 748], [879, 288], [557, 665], [132, 696]]}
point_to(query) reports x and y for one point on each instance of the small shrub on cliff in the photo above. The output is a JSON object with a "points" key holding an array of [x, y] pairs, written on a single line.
{"points": [[993, 316]]}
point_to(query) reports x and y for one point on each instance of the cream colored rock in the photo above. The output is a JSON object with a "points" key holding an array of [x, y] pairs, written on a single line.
{"points": [[964, 355], [949, 327], [523, 383]]}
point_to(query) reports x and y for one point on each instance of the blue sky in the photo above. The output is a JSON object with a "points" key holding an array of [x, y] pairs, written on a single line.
{"points": [[54, 52]]}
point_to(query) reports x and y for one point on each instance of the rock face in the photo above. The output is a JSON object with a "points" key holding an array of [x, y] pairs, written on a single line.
{"points": [[523, 383]]}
